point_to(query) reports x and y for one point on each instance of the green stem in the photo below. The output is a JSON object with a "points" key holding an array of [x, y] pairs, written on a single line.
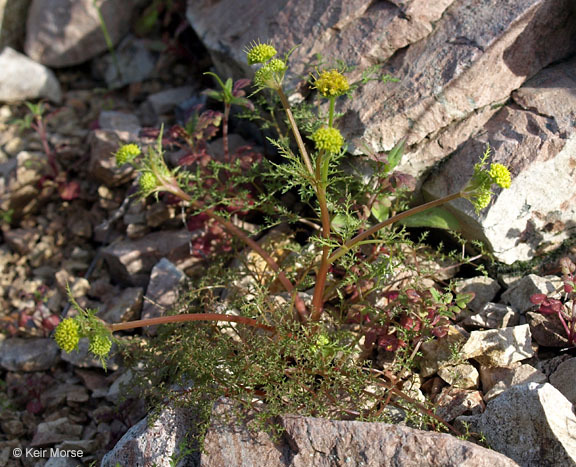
{"points": [[372, 230], [295, 131], [189, 317], [108, 40], [322, 273], [331, 112]]}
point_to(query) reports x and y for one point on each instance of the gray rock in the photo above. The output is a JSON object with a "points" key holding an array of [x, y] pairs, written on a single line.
{"points": [[134, 63], [33, 354], [463, 375], [162, 291], [157, 214], [519, 293], [446, 77], [55, 431], [532, 423], [499, 347], [22, 79], [21, 240], [538, 147], [62, 33], [484, 289], [61, 394], [155, 444], [19, 177], [102, 165], [62, 462], [493, 316], [125, 307], [550, 365], [119, 386], [563, 379], [130, 262], [453, 402], [438, 353], [13, 23], [496, 380], [119, 121], [84, 445], [14, 429], [164, 101], [547, 330]]}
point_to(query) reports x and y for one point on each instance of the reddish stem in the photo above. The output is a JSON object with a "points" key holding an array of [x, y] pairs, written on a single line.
{"points": [[322, 274], [233, 230], [189, 317], [40, 128], [225, 132]]}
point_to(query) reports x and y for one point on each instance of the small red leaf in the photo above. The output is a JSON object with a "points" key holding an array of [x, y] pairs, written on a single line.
{"points": [[69, 190], [538, 298]]}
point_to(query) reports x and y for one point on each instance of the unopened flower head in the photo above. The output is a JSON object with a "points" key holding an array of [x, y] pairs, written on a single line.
{"points": [[100, 345], [67, 335], [331, 83], [260, 53], [500, 175], [271, 74], [127, 153], [148, 182], [481, 200], [328, 139]]}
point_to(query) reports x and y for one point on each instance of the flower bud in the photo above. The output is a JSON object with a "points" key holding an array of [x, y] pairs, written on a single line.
{"points": [[271, 74], [127, 153], [260, 53], [328, 139], [67, 335], [100, 345], [148, 182]]}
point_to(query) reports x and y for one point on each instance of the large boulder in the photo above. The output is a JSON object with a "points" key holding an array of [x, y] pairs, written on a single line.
{"points": [[306, 441], [457, 64], [357, 31], [532, 423], [534, 136], [68, 32], [452, 60]]}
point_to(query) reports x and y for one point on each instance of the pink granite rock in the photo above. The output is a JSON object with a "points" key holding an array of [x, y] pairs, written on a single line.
{"points": [[452, 60], [534, 136], [68, 32], [305, 442]]}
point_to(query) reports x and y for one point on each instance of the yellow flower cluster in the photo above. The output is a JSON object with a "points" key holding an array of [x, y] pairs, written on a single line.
{"points": [[67, 335], [331, 83], [127, 153], [328, 139], [260, 53], [500, 175], [479, 188]]}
